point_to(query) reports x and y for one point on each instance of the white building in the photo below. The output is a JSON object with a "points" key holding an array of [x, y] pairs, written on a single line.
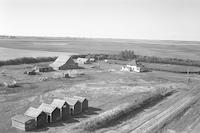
{"points": [[132, 66]]}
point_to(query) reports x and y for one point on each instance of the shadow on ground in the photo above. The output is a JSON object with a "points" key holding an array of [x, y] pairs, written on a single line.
{"points": [[73, 119]]}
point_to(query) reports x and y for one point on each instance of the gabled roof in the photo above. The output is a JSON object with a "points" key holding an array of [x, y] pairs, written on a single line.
{"points": [[47, 108], [81, 99], [60, 61], [33, 112], [132, 63], [71, 101], [58, 103], [22, 118]]}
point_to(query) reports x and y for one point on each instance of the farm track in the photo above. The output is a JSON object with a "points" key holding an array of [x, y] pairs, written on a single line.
{"points": [[153, 120]]}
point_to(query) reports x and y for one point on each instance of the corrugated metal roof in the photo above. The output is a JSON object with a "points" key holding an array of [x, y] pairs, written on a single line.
{"points": [[58, 103], [33, 112], [81, 99], [71, 101], [22, 118], [60, 61], [47, 107]]}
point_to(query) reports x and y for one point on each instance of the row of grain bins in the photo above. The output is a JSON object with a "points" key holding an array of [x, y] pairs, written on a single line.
{"points": [[59, 109]]}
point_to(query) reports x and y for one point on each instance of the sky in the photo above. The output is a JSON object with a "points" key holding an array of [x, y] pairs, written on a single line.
{"points": [[131, 19]]}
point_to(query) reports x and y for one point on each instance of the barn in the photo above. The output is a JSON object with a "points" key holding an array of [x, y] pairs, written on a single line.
{"points": [[39, 116], [64, 63], [84, 102], [23, 122], [74, 105], [53, 113], [63, 106]]}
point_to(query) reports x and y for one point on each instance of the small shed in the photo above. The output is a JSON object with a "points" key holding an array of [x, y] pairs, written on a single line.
{"points": [[74, 105], [64, 63], [53, 113], [83, 60], [43, 69], [84, 102], [39, 116], [22, 122], [63, 106]]}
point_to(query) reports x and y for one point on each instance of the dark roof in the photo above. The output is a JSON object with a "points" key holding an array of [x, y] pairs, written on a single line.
{"points": [[58, 103], [33, 112], [22, 118], [71, 101], [47, 108], [81, 99]]}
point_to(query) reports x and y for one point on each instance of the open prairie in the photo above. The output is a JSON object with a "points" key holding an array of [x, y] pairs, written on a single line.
{"points": [[177, 49], [104, 85]]}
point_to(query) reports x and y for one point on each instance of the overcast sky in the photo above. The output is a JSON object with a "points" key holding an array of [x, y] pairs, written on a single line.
{"points": [[134, 19]]}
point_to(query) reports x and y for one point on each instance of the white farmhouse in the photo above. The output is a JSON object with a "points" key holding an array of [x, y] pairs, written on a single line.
{"points": [[132, 66]]}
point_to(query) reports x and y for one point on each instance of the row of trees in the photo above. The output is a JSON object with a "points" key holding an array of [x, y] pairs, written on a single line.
{"points": [[26, 60]]}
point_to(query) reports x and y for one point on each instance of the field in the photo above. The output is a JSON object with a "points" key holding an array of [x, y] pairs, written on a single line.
{"points": [[105, 87]]}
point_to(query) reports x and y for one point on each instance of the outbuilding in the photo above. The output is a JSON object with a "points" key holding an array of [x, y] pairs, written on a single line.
{"points": [[39, 116], [74, 105], [83, 60], [63, 106], [23, 122], [53, 113], [84, 102], [64, 63], [43, 69]]}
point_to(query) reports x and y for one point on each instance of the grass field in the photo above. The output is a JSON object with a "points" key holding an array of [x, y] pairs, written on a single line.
{"points": [[176, 49]]}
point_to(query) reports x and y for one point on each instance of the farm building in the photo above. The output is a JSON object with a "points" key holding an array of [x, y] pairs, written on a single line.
{"points": [[92, 59], [83, 60], [43, 69], [53, 113], [84, 102], [39, 116], [74, 105], [132, 66], [64, 63], [63, 106], [22, 122]]}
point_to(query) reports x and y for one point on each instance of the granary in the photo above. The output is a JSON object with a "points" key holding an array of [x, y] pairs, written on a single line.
{"points": [[39, 116], [83, 60], [84, 102], [23, 122], [53, 113], [132, 66], [63, 106], [74, 105], [64, 63]]}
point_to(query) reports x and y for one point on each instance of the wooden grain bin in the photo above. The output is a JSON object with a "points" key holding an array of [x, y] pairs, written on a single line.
{"points": [[64, 108], [74, 105], [22, 122], [53, 113], [39, 116], [84, 102]]}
